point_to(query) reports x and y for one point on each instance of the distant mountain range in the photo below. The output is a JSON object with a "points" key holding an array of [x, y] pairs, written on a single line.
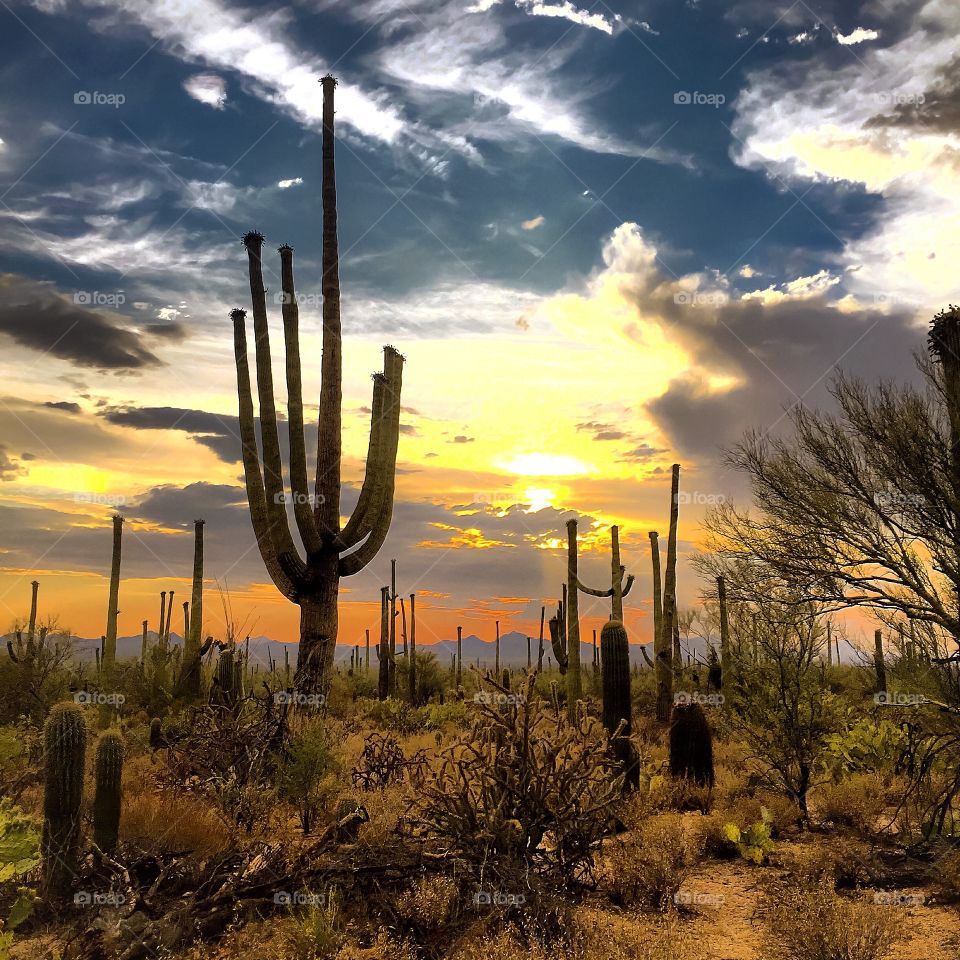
{"points": [[513, 649]]}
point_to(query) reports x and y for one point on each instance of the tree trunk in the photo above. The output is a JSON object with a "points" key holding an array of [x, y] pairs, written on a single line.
{"points": [[318, 636], [724, 631]]}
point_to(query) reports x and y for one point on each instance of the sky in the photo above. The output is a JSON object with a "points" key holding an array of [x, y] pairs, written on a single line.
{"points": [[607, 237]]}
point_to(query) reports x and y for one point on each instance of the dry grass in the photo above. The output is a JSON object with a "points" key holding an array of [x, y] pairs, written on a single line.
{"points": [[858, 802], [814, 923], [649, 865]]}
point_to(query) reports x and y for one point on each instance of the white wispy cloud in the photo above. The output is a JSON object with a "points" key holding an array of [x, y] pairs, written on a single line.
{"points": [[208, 88], [293, 182]]}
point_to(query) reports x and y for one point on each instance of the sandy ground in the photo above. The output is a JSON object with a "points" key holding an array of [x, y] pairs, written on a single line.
{"points": [[729, 928]]}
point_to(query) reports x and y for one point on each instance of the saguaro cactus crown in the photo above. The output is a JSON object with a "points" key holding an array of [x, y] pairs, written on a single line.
{"points": [[331, 552]]}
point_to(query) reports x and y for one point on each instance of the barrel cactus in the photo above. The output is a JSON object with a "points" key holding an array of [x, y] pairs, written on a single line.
{"points": [[615, 685], [691, 744], [65, 744], [106, 799]]}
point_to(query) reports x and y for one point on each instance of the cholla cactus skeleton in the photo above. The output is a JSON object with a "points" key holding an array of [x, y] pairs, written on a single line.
{"points": [[313, 581]]}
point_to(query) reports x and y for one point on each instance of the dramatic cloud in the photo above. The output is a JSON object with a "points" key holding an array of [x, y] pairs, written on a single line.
{"points": [[885, 120], [33, 315]]}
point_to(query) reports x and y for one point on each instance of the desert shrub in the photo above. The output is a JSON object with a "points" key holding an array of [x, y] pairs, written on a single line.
{"points": [[430, 904], [307, 771], [436, 716], [162, 821], [233, 757], [814, 923], [947, 875], [35, 672], [431, 676], [649, 865], [383, 762], [391, 714], [753, 842], [525, 773], [315, 930], [841, 863], [865, 745], [858, 802]]}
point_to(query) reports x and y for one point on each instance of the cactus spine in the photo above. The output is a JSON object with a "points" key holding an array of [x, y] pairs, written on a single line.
{"points": [[65, 744], [615, 687], [313, 582], [107, 794], [110, 645]]}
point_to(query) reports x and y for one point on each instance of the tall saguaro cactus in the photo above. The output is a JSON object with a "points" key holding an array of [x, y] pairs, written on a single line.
{"points": [[412, 665], [724, 630], [331, 552], [617, 589], [193, 630], [664, 665], [573, 621], [383, 647], [110, 644]]}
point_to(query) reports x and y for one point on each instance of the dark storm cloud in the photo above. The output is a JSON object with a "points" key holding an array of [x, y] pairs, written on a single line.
{"points": [[218, 432], [87, 338], [66, 405], [784, 354]]}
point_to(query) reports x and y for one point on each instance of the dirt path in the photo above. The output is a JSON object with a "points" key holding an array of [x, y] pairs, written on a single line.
{"points": [[727, 924]]}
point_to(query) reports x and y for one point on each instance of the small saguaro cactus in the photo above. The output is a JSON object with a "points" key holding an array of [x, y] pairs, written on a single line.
{"points": [[65, 745], [691, 744], [107, 795], [615, 686]]}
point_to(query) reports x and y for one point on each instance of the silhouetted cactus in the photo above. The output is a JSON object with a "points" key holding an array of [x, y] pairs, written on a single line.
{"points": [[383, 648], [714, 671], [313, 581], [107, 794], [110, 644], [617, 706], [412, 664], [691, 744], [878, 663], [65, 744], [665, 655], [617, 589]]}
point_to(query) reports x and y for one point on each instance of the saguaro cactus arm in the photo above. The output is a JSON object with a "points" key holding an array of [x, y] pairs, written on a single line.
{"points": [[327, 507], [302, 508], [256, 495], [381, 502], [269, 435]]}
